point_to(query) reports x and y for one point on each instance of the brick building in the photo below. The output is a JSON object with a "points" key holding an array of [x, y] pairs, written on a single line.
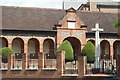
{"points": [[29, 31], [106, 7]]}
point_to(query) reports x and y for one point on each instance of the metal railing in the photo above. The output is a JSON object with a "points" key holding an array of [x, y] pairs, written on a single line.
{"points": [[17, 61], [4, 66], [33, 61], [107, 66]]}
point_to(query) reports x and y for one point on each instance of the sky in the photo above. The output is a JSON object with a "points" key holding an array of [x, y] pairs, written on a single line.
{"points": [[33, 3], [38, 3]]}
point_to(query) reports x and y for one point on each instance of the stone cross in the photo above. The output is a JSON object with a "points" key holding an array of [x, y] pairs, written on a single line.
{"points": [[97, 45]]}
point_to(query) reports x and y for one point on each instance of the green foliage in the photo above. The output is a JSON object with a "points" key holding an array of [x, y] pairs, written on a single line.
{"points": [[89, 51], [5, 52], [116, 23], [118, 35], [66, 46]]}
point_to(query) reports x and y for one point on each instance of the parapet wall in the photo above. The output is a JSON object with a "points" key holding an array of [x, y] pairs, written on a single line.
{"points": [[52, 73]]}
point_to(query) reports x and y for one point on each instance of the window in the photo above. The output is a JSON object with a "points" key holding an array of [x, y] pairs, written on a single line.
{"points": [[71, 25]]}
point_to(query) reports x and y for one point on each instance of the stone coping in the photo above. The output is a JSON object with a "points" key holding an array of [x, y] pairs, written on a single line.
{"points": [[31, 69], [100, 75], [69, 75], [50, 69], [16, 69], [3, 69], [34, 59], [71, 68]]}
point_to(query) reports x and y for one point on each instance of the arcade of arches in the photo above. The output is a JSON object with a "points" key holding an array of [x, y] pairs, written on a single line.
{"points": [[33, 46], [108, 50]]}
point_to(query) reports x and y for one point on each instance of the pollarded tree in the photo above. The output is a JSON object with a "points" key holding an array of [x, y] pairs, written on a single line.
{"points": [[5, 52], [89, 51], [66, 46]]}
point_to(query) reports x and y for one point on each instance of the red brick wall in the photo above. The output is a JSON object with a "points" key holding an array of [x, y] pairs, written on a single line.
{"points": [[53, 74]]}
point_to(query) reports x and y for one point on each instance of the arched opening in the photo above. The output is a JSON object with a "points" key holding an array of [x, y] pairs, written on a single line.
{"points": [[71, 65], [18, 47], [33, 48], [48, 48], [4, 63], [105, 49], [4, 42], [116, 47], [92, 41], [76, 46]]}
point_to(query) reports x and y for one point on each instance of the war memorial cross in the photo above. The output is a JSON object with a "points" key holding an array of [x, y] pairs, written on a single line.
{"points": [[97, 45]]}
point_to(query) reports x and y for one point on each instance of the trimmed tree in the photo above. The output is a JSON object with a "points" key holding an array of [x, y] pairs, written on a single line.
{"points": [[116, 24], [66, 46], [5, 52], [89, 51]]}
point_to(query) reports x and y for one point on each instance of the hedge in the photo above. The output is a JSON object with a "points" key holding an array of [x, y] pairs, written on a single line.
{"points": [[5, 52], [66, 46], [89, 51]]}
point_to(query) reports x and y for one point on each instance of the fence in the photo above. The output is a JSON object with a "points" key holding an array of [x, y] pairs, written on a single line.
{"points": [[107, 66], [4, 66], [17, 61], [32, 61], [3, 63]]}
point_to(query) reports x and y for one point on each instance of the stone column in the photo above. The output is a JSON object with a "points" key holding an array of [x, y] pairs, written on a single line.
{"points": [[25, 48], [111, 52], [10, 45], [41, 47], [82, 63], [40, 60], [10, 61], [61, 61], [24, 61]]}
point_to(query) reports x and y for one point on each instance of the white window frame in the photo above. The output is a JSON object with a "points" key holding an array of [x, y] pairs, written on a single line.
{"points": [[71, 25]]}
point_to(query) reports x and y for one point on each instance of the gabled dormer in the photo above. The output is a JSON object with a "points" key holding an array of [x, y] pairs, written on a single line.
{"points": [[70, 21]]}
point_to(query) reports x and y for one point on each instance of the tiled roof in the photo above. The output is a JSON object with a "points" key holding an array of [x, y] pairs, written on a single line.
{"points": [[108, 3], [117, 4], [20, 18]]}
